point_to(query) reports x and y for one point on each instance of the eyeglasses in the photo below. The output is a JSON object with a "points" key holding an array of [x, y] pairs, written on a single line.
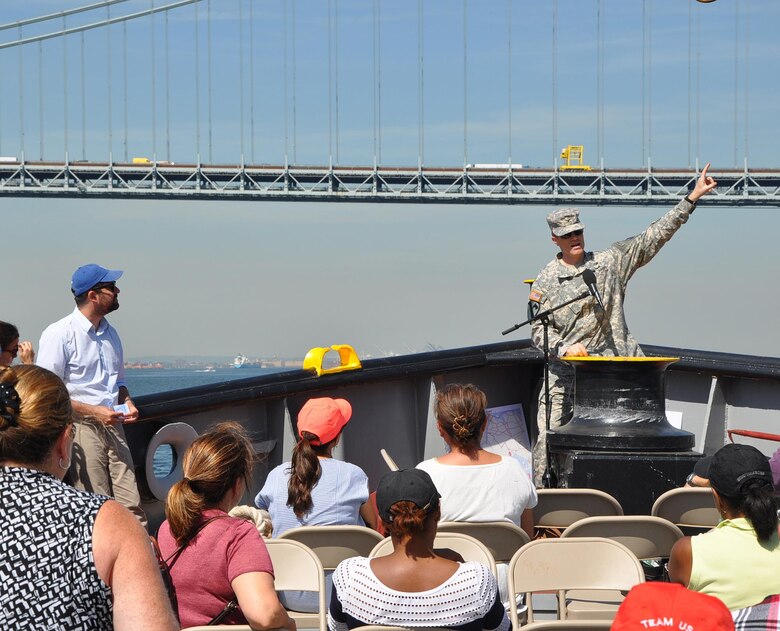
{"points": [[573, 233], [109, 286], [11, 351]]}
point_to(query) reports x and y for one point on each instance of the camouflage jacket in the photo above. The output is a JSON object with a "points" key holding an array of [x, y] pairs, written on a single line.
{"points": [[602, 332]]}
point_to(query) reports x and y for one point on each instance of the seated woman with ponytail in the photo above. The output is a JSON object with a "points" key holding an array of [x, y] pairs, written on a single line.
{"points": [[414, 586], [69, 560], [739, 560], [314, 489], [217, 561]]}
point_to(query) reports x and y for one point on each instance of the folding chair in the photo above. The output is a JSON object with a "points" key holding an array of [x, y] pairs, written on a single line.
{"points": [[560, 508], [647, 537], [297, 568], [501, 538], [561, 565], [692, 509], [467, 547], [333, 544]]}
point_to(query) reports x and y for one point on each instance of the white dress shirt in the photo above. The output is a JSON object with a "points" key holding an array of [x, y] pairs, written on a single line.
{"points": [[89, 361]]}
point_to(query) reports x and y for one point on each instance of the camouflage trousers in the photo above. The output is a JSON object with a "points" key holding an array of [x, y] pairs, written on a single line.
{"points": [[561, 396]]}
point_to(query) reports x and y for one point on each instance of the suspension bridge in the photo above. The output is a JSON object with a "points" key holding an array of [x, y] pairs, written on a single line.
{"points": [[370, 102]]}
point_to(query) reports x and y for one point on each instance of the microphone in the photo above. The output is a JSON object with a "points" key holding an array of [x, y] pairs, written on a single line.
{"points": [[589, 276]]}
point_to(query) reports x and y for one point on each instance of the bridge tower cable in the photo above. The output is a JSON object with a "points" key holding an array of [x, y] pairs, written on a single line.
{"points": [[82, 63], [294, 82], [420, 86], [197, 81], [167, 90], [690, 83], [330, 84], [65, 84], [600, 81], [40, 101], [252, 81], [509, 82], [109, 73], [555, 82], [644, 82], [649, 83], [377, 84], [698, 86], [465, 86], [736, 80], [286, 94], [153, 77], [208, 75], [336, 55], [241, 77], [21, 96], [746, 92], [124, 91]]}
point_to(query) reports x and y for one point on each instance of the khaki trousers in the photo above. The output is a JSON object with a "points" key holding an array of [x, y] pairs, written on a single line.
{"points": [[101, 463]]}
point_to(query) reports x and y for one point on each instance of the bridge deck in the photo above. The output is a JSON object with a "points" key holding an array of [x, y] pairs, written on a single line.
{"points": [[382, 184]]}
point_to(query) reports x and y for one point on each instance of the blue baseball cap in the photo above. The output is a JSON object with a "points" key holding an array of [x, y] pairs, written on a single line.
{"points": [[87, 276]]}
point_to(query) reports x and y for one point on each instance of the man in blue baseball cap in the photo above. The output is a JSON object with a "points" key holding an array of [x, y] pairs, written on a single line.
{"points": [[85, 351]]}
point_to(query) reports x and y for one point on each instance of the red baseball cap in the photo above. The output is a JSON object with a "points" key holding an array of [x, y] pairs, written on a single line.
{"points": [[324, 417], [671, 606]]}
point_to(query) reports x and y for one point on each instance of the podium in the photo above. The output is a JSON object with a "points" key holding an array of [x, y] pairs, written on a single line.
{"points": [[619, 439]]}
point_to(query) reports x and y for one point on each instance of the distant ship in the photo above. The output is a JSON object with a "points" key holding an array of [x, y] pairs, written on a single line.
{"points": [[240, 361]]}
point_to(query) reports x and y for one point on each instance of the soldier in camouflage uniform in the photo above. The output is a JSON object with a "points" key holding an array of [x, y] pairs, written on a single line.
{"points": [[583, 328]]}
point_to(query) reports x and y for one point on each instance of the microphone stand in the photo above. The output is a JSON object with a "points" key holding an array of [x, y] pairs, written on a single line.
{"points": [[544, 318]]}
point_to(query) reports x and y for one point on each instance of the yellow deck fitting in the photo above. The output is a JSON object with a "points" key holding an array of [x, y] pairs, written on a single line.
{"points": [[347, 356]]}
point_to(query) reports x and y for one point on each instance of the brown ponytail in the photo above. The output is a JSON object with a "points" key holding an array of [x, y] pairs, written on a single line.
{"points": [[305, 472], [212, 465]]}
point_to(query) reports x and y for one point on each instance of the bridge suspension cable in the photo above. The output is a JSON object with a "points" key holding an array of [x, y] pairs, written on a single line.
{"points": [[99, 24], [59, 14]]}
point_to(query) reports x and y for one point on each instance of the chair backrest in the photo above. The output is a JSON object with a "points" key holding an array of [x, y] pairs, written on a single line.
{"points": [[501, 538], [647, 537], [688, 507], [379, 627], [467, 547], [560, 508], [566, 625], [296, 567], [562, 564], [333, 544]]}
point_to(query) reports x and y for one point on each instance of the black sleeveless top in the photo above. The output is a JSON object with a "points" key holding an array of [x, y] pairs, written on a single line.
{"points": [[48, 578]]}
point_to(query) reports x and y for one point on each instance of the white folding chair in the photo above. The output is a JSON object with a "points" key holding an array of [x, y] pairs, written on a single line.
{"points": [[297, 568], [561, 565], [467, 547]]}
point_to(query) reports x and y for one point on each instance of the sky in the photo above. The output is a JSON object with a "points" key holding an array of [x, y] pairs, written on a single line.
{"points": [[277, 278]]}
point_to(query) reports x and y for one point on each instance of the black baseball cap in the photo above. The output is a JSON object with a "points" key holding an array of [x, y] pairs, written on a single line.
{"points": [[733, 466], [406, 485], [702, 467]]}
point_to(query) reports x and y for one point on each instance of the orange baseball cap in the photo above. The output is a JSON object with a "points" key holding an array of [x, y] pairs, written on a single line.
{"points": [[324, 417], [671, 606]]}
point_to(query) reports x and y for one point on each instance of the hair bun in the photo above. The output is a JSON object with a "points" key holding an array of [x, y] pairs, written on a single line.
{"points": [[9, 404]]}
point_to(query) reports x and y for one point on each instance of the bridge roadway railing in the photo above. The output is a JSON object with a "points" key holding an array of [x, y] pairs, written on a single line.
{"points": [[748, 187]]}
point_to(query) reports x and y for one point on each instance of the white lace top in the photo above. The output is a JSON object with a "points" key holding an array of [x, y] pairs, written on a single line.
{"points": [[468, 600]]}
